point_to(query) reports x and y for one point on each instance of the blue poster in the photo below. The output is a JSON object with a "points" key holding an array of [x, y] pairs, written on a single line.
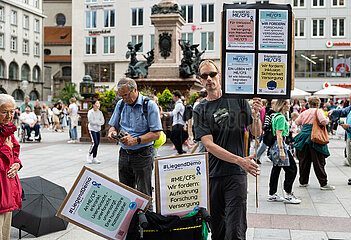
{"points": [[240, 73]]}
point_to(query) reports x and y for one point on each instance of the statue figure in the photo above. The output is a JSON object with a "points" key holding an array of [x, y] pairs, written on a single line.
{"points": [[185, 68], [191, 60], [137, 68]]}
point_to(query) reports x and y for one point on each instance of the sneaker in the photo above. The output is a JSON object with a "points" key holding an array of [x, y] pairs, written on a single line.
{"points": [[96, 161], [290, 198], [89, 159], [71, 141], [349, 181], [328, 187], [346, 163], [29, 140], [304, 185], [274, 198], [36, 137]]}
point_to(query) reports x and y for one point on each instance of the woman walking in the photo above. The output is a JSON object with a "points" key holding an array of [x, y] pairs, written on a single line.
{"points": [[281, 156], [96, 120], [73, 120], [10, 187], [309, 152], [45, 116]]}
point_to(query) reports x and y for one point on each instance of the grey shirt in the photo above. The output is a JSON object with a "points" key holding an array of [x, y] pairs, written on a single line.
{"points": [[177, 113]]}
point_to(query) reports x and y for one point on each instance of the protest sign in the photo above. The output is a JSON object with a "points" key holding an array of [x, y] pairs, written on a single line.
{"points": [[251, 35], [272, 73], [241, 29], [273, 30], [240, 73], [181, 184], [102, 205]]}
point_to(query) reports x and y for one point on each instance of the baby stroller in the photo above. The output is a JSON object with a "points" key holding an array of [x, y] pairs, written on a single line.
{"points": [[153, 226]]}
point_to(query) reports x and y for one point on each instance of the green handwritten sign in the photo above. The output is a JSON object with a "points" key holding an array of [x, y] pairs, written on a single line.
{"points": [[104, 207]]}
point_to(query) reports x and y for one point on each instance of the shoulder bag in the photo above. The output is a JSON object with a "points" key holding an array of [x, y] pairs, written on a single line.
{"points": [[319, 133]]}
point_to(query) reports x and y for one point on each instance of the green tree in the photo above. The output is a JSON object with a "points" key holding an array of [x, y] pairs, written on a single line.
{"points": [[66, 93]]}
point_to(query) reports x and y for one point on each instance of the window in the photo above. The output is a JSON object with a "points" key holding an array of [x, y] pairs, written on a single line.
{"points": [[101, 72], [66, 71], [2, 69], [2, 40], [18, 95], [36, 74], [138, 39], [90, 45], [25, 46], [60, 20], [109, 18], [13, 17], [338, 3], [299, 27], [13, 46], [299, 3], [338, 25], [25, 72], [90, 19], [33, 95], [25, 21], [13, 71], [36, 25], [207, 12], [187, 13], [36, 3], [109, 45], [36, 49], [188, 36], [137, 16], [317, 27], [317, 3], [152, 41], [207, 41], [90, 1], [2, 13], [25, 1]]}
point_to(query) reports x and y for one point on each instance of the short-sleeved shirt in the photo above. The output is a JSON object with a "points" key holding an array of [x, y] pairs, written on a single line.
{"points": [[279, 122], [29, 118], [23, 107], [133, 121], [226, 120], [74, 109]]}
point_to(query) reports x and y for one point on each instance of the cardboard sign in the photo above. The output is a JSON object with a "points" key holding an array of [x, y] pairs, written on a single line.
{"points": [[181, 184], [102, 205], [257, 50]]}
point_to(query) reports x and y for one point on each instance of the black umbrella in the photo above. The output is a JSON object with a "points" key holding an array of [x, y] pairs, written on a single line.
{"points": [[42, 201]]}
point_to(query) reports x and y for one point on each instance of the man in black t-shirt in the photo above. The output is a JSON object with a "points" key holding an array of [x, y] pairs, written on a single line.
{"points": [[220, 124]]}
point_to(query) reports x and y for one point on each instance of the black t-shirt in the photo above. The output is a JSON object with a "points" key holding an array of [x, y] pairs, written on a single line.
{"points": [[225, 119]]}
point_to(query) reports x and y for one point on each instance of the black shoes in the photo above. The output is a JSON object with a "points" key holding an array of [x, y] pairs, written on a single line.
{"points": [[349, 182]]}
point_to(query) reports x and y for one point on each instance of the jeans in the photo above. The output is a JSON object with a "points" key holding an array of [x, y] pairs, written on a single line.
{"points": [[348, 151], [261, 150], [72, 131], [135, 169], [228, 197], [29, 130], [95, 139]]}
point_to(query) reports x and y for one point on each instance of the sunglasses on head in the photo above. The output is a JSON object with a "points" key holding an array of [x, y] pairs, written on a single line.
{"points": [[205, 75]]}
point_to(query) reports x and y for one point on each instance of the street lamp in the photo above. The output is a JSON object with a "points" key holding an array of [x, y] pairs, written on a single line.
{"points": [[87, 87]]}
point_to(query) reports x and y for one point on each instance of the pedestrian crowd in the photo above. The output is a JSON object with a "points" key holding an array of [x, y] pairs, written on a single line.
{"points": [[285, 129]]}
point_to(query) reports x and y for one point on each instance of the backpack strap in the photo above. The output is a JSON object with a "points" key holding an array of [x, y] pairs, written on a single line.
{"points": [[120, 111]]}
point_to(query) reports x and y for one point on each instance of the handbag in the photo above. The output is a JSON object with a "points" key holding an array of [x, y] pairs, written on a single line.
{"points": [[275, 155], [319, 133]]}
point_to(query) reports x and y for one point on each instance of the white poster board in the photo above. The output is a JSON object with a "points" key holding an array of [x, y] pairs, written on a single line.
{"points": [[240, 69], [241, 29], [181, 184], [102, 205]]}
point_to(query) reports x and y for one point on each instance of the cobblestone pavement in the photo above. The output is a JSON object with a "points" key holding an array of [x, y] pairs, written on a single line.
{"points": [[321, 215]]}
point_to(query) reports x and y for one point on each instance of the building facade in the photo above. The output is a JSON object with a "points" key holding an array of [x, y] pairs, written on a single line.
{"points": [[58, 43], [21, 58], [102, 29]]}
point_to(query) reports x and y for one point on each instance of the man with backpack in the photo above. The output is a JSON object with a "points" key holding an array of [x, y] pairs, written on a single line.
{"points": [[139, 118], [177, 134]]}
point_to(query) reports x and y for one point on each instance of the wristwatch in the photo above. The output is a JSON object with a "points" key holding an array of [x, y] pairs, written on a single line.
{"points": [[138, 139]]}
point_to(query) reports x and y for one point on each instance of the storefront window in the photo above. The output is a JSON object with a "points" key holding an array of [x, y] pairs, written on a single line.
{"points": [[101, 72], [322, 63]]}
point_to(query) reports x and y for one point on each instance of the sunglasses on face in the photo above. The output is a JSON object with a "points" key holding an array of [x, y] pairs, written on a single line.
{"points": [[205, 75]]}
